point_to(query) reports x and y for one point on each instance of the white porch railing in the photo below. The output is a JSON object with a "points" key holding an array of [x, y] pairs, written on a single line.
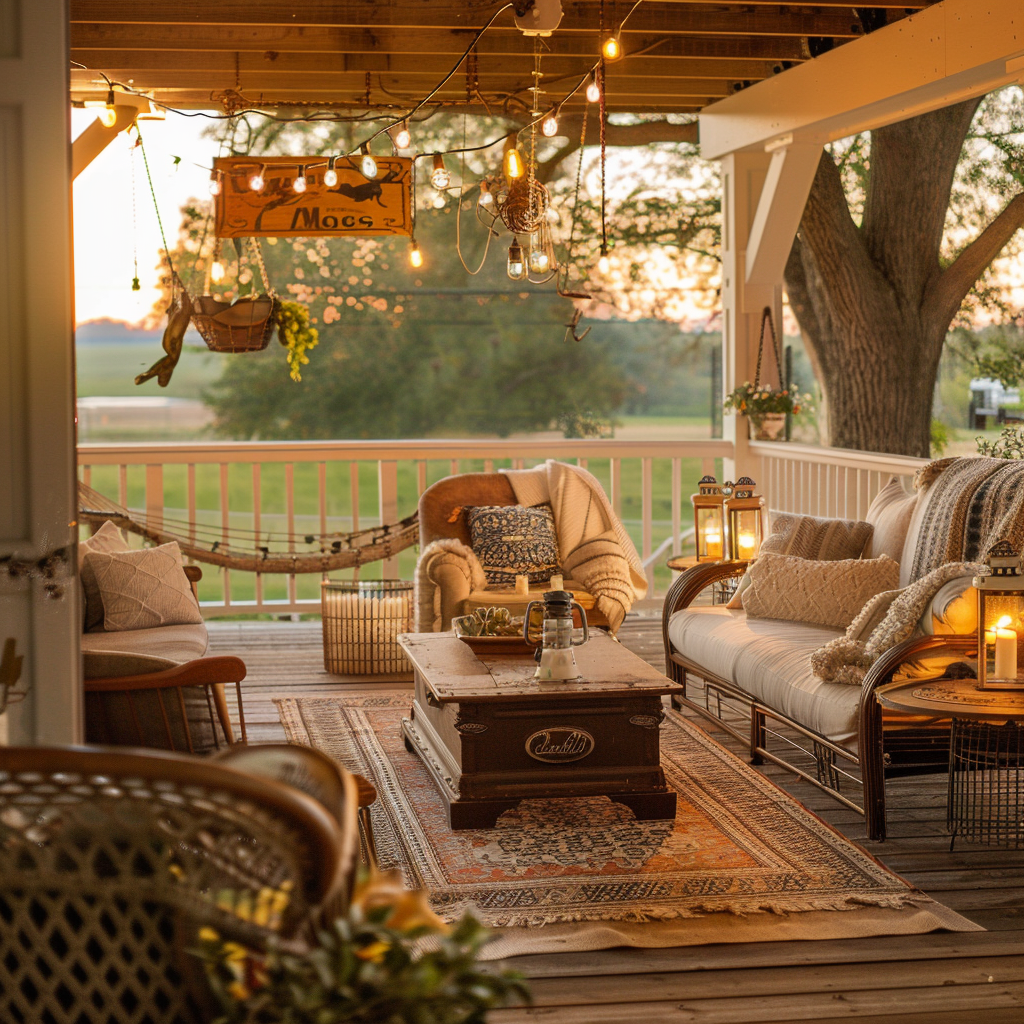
{"points": [[315, 487], [300, 488]]}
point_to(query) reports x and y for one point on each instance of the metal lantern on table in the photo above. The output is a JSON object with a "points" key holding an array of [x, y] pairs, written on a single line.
{"points": [[743, 514], [1000, 620], [709, 520]]}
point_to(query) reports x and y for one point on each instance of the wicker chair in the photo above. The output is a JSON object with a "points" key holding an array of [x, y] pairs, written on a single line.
{"points": [[112, 859]]}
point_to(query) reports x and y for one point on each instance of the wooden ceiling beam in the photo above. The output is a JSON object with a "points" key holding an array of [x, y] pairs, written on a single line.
{"points": [[424, 43], [650, 17]]}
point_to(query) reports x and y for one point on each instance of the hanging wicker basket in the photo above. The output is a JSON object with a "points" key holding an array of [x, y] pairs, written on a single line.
{"points": [[242, 326]]}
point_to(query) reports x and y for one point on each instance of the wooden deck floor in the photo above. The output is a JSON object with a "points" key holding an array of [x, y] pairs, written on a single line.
{"points": [[953, 979]]}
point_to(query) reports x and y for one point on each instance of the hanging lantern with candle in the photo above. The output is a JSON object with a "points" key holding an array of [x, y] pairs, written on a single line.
{"points": [[1000, 620], [744, 521], [709, 520]]}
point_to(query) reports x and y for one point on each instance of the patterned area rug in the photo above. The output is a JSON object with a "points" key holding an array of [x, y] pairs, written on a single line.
{"points": [[739, 849]]}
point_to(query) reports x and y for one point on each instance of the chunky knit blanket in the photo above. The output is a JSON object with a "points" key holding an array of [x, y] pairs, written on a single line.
{"points": [[593, 545], [846, 659], [973, 502]]}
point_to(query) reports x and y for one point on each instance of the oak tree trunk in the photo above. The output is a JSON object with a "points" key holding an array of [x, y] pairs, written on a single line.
{"points": [[873, 300]]}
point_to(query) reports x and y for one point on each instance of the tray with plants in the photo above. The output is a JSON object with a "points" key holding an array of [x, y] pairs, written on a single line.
{"points": [[491, 631]]}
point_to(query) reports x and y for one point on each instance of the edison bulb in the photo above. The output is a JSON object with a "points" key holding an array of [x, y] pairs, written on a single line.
{"points": [[416, 256], [215, 185], [549, 126], [604, 264], [486, 199], [440, 178], [368, 166], [108, 116], [299, 184], [539, 261], [330, 175], [513, 163], [403, 140], [593, 91], [217, 272], [611, 49], [256, 182], [516, 267]]}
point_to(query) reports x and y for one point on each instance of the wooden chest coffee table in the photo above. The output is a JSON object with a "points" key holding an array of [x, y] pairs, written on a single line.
{"points": [[491, 735]]}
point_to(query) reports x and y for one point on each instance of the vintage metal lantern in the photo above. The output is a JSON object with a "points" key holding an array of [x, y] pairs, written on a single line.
{"points": [[744, 520], [1001, 621], [709, 520]]}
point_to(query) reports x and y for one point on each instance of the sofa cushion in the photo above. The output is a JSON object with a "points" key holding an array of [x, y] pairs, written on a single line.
{"points": [[136, 651], [889, 515], [144, 588], [514, 540], [826, 593], [770, 660], [815, 537], [921, 504], [106, 539]]}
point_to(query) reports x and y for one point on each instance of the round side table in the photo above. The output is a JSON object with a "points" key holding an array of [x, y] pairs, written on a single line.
{"points": [[985, 800], [721, 592]]}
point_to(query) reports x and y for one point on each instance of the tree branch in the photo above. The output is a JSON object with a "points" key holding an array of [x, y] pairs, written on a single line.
{"points": [[951, 286]]}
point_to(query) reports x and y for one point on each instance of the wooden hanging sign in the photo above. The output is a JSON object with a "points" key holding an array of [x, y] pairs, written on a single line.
{"points": [[354, 206]]}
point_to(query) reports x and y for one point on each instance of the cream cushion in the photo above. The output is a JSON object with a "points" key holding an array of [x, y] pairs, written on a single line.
{"points": [[142, 589], [107, 539], [921, 504], [138, 651], [825, 593], [815, 537], [889, 515], [770, 660]]}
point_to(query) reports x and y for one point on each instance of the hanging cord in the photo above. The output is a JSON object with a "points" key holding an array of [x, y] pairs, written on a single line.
{"points": [[491, 233], [766, 318], [135, 223], [258, 253], [175, 280], [576, 203]]}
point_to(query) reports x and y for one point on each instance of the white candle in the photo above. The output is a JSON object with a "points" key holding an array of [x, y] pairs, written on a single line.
{"points": [[713, 543], [522, 584], [557, 583], [1006, 650], [746, 545]]}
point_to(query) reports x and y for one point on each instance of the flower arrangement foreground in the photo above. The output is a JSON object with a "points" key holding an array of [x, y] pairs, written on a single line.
{"points": [[754, 401]]}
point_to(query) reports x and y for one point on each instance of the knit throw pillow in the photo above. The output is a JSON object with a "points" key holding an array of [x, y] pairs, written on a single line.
{"points": [[107, 539], [513, 540], [825, 593], [142, 589]]}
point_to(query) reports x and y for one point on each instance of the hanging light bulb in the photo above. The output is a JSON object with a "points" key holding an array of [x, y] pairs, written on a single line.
{"points": [[415, 255], [516, 267], [215, 183], [108, 115], [513, 160], [367, 165], [610, 49], [403, 140], [593, 90], [539, 259], [604, 264], [256, 181], [549, 126], [486, 198], [299, 184], [331, 175], [439, 177], [439, 201], [216, 267]]}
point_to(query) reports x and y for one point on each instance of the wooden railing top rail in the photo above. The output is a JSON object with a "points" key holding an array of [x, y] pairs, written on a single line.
{"points": [[150, 453], [845, 457]]}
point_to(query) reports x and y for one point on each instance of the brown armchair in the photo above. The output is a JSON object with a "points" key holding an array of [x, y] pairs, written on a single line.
{"points": [[447, 583]]}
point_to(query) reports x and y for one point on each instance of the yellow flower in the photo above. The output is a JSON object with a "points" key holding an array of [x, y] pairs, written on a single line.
{"points": [[238, 992], [207, 934], [409, 909], [374, 952]]}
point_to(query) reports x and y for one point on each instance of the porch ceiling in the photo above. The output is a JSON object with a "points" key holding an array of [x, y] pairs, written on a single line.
{"points": [[680, 55]]}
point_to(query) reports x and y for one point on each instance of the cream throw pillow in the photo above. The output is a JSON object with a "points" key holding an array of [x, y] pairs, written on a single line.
{"points": [[825, 593], [107, 539], [889, 514], [142, 589]]}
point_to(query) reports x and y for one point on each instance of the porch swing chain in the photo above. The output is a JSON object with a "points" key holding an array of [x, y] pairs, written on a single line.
{"points": [[576, 202], [175, 280], [766, 318]]}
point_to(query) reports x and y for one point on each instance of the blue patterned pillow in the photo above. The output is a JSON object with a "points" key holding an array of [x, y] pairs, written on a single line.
{"points": [[512, 540]]}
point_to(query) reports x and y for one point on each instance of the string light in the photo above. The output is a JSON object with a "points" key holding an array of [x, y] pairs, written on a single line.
{"points": [[216, 267], [593, 90], [108, 115], [415, 255], [299, 184], [486, 198], [367, 165], [439, 201], [439, 177], [215, 183], [604, 264], [549, 126], [256, 182], [516, 267], [513, 160], [403, 140], [610, 49], [539, 259], [331, 175]]}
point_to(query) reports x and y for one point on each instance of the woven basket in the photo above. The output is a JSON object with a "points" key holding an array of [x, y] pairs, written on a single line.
{"points": [[243, 326], [362, 621]]}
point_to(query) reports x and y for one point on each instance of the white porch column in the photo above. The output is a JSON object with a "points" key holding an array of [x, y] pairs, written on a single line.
{"points": [[38, 505], [743, 179]]}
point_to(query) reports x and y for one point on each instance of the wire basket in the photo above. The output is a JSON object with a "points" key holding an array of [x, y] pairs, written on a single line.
{"points": [[362, 621], [242, 326]]}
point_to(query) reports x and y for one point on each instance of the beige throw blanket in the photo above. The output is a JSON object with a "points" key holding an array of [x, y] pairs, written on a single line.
{"points": [[593, 545], [847, 659]]}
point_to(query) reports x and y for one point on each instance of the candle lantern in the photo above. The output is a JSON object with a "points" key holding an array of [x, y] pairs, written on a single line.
{"points": [[744, 520], [1000, 620], [709, 520]]}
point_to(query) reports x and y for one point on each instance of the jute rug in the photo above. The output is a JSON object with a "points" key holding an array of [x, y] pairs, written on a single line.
{"points": [[742, 862]]}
